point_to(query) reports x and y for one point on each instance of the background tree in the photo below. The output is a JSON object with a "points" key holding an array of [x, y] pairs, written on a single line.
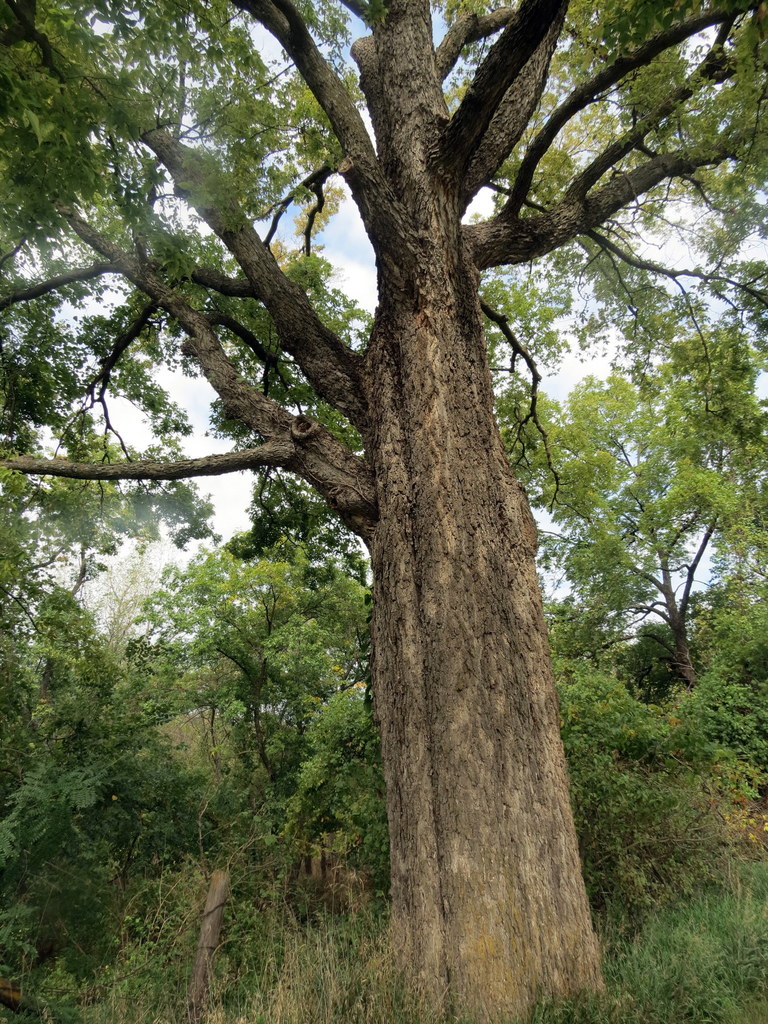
{"points": [[655, 475], [264, 644], [142, 148]]}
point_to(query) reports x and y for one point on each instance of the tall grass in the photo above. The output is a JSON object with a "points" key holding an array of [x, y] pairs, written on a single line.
{"points": [[704, 961]]}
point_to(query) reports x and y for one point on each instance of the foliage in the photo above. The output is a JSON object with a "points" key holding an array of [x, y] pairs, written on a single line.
{"points": [[264, 642], [90, 798], [340, 789], [653, 470], [647, 794]]}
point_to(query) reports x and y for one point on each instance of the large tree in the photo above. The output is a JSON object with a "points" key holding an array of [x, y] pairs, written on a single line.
{"points": [[141, 147]]}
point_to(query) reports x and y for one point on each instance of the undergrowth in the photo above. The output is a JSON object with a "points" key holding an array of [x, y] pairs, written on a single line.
{"points": [[703, 961]]}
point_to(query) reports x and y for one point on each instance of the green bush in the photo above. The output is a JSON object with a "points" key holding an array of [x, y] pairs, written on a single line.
{"points": [[646, 818]]}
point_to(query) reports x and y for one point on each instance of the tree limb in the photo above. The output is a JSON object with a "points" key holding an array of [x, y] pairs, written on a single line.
{"points": [[35, 291], [519, 41], [313, 181], [469, 29], [362, 171], [588, 92], [512, 117], [237, 287], [357, 7], [508, 240], [657, 268], [691, 573], [343, 479], [272, 453], [331, 368], [121, 345], [714, 68], [519, 349]]}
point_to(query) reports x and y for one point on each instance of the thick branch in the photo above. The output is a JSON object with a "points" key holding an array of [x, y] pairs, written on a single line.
{"points": [[331, 368], [469, 29], [524, 34], [237, 287], [362, 170], [714, 68], [254, 344], [35, 291], [514, 113], [273, 453], [588, 92], [25, 30], [508, 240], [357, 7], [691, 574], [342, 478]]}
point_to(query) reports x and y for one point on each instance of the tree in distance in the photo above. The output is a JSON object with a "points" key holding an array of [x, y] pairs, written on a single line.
{"points": [[654, 476], [151, 150]]}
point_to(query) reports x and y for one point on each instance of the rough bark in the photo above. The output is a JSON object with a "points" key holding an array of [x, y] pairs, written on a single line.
{"points": [[210, 930], [488, 901], [487, 894]]}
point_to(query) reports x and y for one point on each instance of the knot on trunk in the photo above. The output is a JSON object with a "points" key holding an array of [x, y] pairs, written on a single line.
{"points": [[302, 429]]}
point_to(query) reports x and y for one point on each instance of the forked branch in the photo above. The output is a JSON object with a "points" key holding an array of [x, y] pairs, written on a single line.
{"points": [[590, 91], [469, 29], [331, 368], [519, 41]]}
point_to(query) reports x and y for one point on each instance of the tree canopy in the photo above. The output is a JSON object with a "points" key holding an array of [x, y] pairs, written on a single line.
{"points": [[139, 147]]}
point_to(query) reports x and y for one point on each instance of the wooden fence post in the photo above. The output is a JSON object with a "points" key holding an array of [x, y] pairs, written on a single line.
{"points": [[210, 930]]}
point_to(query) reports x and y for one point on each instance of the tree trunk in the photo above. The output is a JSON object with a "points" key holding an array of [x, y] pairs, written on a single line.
{"points": [[210, 930], [682, 664], [488, 901]]}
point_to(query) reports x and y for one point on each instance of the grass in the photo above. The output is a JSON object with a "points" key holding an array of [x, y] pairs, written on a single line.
{"points": [[704, 961]]}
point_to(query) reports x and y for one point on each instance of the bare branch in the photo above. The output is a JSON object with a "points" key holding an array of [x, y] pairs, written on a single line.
{"points": [[532, 415], [657, 268], [121, 345], [273, 453], [313, 181], [695, 562], [35, 291], [588, 92], [524, 34], [469, 29]]}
